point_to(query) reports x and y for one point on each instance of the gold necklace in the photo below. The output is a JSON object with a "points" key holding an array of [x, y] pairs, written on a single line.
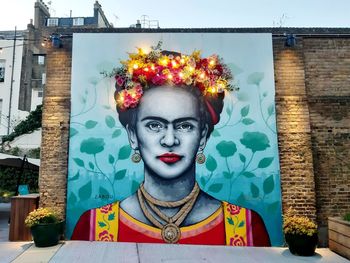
{"points": [[170, 231]]}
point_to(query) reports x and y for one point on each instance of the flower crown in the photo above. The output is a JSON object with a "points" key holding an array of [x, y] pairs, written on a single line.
{"points": [[157, 68]]}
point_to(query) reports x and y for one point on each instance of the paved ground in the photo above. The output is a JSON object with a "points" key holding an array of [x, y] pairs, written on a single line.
{"points": [[94, 252]]}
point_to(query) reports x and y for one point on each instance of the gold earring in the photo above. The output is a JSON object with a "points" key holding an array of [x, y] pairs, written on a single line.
{"points": [[200, 157], [136, 157]]}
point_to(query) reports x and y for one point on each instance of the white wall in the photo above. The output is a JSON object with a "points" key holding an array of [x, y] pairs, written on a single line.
{"points": [[6, 55]]}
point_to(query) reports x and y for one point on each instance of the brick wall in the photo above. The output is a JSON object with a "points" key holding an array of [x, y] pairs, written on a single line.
{"points": [[55, 127], [294, 134], [312, 104], [327, 78]]}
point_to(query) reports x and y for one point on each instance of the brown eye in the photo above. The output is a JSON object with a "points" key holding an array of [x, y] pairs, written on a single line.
{"points": [[155, 126]]}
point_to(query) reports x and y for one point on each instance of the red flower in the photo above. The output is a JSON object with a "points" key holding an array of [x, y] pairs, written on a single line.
{"points": [[105, 209], [233, 209], [105, 236], [237, 241]]}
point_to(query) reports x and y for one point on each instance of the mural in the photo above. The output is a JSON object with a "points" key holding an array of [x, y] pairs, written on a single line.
{"points": [[186, 157]]}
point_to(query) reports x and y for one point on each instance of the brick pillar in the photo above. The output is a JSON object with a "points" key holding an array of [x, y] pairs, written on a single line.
{"points": [[55, 128], [294, 134]]}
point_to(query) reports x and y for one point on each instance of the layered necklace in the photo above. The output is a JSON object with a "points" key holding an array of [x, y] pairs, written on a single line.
{"points": [[171, 228]]}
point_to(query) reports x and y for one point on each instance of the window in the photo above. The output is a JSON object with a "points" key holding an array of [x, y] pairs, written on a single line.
{"points": [[52, 22], [40, 94], [41, 60], [2, 70], [79, 21]]}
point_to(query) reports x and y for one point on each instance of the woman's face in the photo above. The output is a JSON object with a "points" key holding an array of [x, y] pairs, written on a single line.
{"points": [[168, 131]]}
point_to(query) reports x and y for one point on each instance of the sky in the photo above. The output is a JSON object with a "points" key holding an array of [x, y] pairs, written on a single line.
{"points": [[191, 13]]}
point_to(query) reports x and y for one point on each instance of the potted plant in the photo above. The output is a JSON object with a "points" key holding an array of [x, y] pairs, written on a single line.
{"points": [[339, 235], [300, 234], [45, 226]]}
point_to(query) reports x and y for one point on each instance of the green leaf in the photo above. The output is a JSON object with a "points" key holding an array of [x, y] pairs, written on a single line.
{"points": [[203, 181], [90, 124], [124, 152], [75, 177], [230, 221], [241, 199], [101, 224], [92, 145], [256, 141], [215, 133], [255, 78], [265, 162], [272, 208], [103, 191], [110, 121], [269, 184], [215, 188], [72, 132], [242, 158], [247, 121], [241, 224], [72, 199], [248, 174], [264, 94], [120, 174], [79, 162], [226, 148], [228, 175], [254, 190], [111, 216], [134, 186], [116, 133], [228, 111], [85, 191], [92, 166], [245, 111], [111, 159], [211, 163], [271, 109]]}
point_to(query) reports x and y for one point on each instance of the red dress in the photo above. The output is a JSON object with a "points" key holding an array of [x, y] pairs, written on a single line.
{"points": [[229, 225]]}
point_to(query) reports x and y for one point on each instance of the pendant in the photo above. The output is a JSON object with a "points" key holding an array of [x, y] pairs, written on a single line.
{"points": [[171, 233]]}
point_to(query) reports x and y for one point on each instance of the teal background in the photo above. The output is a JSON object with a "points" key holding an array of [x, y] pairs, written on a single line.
{"points": [[242, 165]]}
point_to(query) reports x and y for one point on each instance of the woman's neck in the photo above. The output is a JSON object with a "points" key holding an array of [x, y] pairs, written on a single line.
{"points": [[169, 189]]}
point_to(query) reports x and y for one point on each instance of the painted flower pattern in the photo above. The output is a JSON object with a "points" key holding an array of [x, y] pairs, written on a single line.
{"points": [[233, 209], [105, 209], [105, 236], [237, 241]]}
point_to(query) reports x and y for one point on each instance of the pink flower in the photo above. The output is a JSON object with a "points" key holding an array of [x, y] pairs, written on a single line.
{"points": [[120, 80], [233, 209], [105, 236], [105, 209], [237, 241]]}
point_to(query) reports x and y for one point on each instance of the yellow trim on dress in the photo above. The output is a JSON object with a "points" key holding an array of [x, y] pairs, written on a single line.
{"points": [[235, 225], [106, 222]]}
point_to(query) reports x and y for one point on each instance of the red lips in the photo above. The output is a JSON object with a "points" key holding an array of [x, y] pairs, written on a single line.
{"points": [[169, 158]]}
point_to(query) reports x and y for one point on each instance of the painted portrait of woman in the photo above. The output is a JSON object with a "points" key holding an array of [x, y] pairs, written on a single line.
{"points": [[169, 104]]}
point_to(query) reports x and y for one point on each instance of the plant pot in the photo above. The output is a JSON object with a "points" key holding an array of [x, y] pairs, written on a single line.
{"points": [[46, 235], [302, 245]]}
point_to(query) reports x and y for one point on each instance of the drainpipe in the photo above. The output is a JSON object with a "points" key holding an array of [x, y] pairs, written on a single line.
{"points": [[11, 85]]}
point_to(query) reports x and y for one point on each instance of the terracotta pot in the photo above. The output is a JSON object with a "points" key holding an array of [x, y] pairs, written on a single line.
{"points": [[302, 245]]}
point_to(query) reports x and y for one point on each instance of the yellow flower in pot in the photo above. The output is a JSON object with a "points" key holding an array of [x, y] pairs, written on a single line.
{"points": [[300, 234], [45, 225]]}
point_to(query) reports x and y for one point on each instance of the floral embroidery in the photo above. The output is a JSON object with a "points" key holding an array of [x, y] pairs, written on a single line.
{"points": [[237, 241], [105, 236], [233, 209], [105, 209]]}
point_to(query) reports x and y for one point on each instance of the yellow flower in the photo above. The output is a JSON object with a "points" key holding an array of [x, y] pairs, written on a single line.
{"points": [[300, 225]]}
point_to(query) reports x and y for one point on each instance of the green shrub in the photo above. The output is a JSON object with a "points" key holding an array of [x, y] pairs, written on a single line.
{"points": [[347, 217], [30, 124], [9, 177]]}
